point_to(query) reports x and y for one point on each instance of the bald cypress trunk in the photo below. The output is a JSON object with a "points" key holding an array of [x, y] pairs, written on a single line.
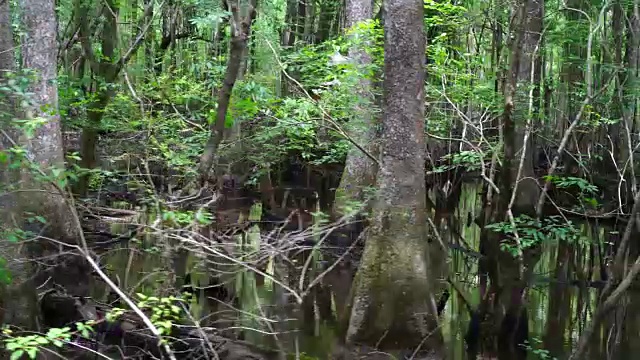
{"points": [[17, 297], [526, 111], [392, 303], [44, 150], [39, 55]]}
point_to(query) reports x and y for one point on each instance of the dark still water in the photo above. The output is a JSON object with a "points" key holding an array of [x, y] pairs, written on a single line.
{"points": [[265, 311]]}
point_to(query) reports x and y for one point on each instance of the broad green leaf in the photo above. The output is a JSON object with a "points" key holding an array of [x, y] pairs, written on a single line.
{"points": [[16, 355]]}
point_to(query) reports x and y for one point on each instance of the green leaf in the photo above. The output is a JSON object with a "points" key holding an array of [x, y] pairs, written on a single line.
{"points": [[62, 183], [33, 352], [56, 172], [13, 238], [54, 333], [16, 355]]}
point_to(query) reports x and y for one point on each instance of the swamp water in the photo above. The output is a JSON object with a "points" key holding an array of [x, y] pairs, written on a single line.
{"points": [[268, 314]]}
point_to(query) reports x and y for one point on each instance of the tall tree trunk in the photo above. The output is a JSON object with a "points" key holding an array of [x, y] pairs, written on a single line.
{"points": [[522, 95], [327, 13], [44, 149], [617, 130], [301, 20], [310, 20], [511, 279], [559, 304], [106, 69], [169, 33], [39, 54], [288, 35], [241, 20], [527, 108], [629, 91], [17, 298], [392, 302], [7, 59], [360, 170], [504, 327]]}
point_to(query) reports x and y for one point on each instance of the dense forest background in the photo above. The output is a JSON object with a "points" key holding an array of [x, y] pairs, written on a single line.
{"points": [[319, 179]]}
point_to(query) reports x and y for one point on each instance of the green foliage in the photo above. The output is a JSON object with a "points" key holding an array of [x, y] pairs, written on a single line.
{"points": [[533, 232], [566, 182], [452, 68], [164, 311], [248, 98], [30, 345], [443, 14], [5, 274], [301, 125], [182, 107], [184, 218], [533, 347], [210, 14], [468, 159], [586, 190], [319, 64], [114, 314]]}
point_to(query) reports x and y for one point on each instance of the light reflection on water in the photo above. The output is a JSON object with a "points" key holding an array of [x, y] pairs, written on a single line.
{"points": [[309, 330]]}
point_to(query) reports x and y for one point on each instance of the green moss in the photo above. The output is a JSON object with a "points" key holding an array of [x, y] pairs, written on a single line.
{"points": [[391, 294]]}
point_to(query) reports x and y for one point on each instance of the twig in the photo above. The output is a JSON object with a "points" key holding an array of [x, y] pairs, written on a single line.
{"points": [[154, 330], [563, 145]]}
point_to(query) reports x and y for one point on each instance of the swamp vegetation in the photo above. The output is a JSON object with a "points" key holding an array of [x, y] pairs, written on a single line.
{"points": [[319, 179]]}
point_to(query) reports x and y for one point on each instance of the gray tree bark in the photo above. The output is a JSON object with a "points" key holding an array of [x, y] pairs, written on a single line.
{"points": [[44, 149], [392, 301], [360, 170], [18, 297], [7, 61], [39, 54], [527, 106]]}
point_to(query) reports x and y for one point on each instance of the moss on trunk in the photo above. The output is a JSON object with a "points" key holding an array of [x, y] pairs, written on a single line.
{"points": [[392, 303]]}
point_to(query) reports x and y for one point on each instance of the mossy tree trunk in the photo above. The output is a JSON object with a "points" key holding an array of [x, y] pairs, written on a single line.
{"points": [[392, 302]]}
